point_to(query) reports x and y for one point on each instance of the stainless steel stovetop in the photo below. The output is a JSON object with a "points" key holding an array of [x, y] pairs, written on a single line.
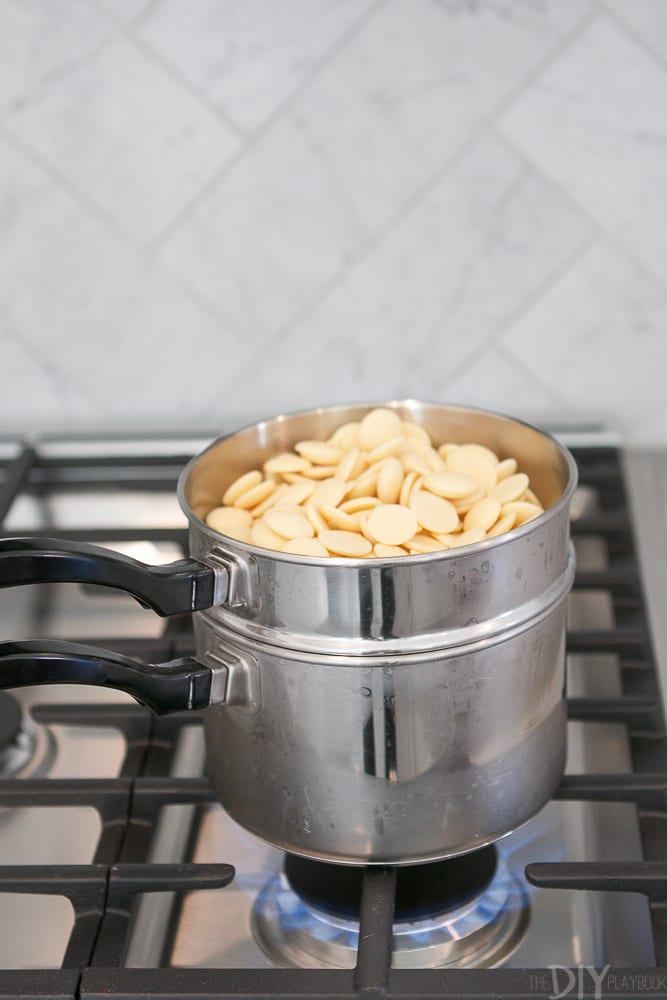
{"points": [[104, 490]]}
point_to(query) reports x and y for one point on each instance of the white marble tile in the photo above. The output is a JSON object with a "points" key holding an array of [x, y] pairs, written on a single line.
{"points": [[269, 236], [158, 355], [41, 42], [596, 122], [497, 381], [35, 395], [598, 335], [459, 265], [414, 83], [95, 315], [649, 430], [131, 139], [54, 257], [648, 18], [247, 56], [124, 11], [373, 240]]}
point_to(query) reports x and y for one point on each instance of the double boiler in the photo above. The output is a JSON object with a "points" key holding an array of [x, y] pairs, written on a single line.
{"points": [[360, 711]]}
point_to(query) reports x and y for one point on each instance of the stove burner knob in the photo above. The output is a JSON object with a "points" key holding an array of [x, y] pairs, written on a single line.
{"points": [[26, 750]]}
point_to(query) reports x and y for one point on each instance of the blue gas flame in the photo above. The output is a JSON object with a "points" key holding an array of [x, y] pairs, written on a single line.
{"points": [[277, 902]]}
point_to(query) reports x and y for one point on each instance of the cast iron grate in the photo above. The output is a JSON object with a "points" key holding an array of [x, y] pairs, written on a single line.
{"points": [[102, 894]]}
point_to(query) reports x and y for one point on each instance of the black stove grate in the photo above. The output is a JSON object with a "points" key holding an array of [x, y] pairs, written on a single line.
{"points": [[102, 894]]}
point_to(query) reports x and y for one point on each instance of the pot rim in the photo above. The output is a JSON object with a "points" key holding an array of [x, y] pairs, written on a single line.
{"points": [[219, 539], [462, 641]]}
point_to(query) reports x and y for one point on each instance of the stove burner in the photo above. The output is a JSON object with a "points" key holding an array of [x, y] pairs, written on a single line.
{"points": [[26, 750], [422, 891], [468, 911]]}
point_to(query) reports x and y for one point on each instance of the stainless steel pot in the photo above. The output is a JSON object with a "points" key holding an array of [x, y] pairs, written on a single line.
{"points": [[358, 711]]}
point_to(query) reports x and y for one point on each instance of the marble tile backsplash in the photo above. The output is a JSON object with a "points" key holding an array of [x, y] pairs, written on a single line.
{"points": [[215, 210]]}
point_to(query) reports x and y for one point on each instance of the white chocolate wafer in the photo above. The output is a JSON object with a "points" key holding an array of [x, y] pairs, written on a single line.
{"points": [[512, 488], [378, 426], [392, 524], [390, 480], [286, 462], [288, 523], [432, 512], [451, 485], [345, 543], [482, 514], [256, 495], [240, 485], [378, 487], [305, 547], [319, 452], [222, 518], [388, 551], [261, 535]]}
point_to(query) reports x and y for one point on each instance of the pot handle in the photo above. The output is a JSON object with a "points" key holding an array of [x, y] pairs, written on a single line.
{"points": [[173, 686], [172, 589]]}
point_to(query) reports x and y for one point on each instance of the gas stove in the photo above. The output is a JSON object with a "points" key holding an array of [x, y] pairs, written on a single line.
{"points": [[120, 874]]}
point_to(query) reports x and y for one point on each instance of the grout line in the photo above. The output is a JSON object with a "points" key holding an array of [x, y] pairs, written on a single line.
{"points": [[551, 399], [548, 60], [53, 372], [631, 32], [203, 302], [602, 230], [122, 22], [133, 245], [149, 7], [147, 248], [253, 138], [53, 77], [527, 302], [116, 231], [462, 285], [239, 133], [126, 31], [393, 223], [480, 129], [565, 193], [517, 362], [333, 180], [481, 126], [130, 244], [61, 180], [353, 260]]}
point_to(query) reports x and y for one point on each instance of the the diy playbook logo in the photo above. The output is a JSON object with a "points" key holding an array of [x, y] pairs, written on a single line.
{"points": [[586, 981]]}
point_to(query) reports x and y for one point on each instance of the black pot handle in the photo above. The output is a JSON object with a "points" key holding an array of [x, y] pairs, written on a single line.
{"points": [[164, 687], [178, 587]]}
